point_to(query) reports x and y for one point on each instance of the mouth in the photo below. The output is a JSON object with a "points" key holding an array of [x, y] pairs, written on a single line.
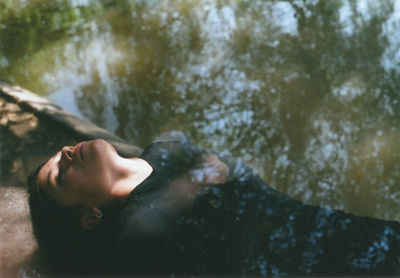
{"points": [[79, 150]]}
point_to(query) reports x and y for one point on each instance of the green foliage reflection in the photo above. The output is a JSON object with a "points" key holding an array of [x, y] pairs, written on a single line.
{"points": [[306, 91]]}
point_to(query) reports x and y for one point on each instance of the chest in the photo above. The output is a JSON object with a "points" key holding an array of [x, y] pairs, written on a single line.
{"points": [[184, 189]]}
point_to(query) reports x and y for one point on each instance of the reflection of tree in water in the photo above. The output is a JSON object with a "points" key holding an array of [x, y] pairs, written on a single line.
{"points": [[305, 91], [287, 96], [27, 28]]}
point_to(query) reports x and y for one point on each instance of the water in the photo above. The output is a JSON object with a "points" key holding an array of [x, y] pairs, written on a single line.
{"points": [[307, 92]]}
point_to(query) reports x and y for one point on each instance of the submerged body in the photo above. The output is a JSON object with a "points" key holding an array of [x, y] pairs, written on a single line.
{"points": [[196, 213], [240, 226]]}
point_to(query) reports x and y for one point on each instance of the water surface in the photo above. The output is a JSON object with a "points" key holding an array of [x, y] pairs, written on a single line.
{"points": [[305, 91]]}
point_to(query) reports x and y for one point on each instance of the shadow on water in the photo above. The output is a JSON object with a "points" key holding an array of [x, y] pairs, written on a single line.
{"points": [[305, 91]]}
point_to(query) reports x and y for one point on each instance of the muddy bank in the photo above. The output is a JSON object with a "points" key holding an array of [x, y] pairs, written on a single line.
{"points": [[31, 129]]}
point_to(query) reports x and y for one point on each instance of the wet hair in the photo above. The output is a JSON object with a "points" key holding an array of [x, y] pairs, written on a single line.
{"points": [[63, 243]]}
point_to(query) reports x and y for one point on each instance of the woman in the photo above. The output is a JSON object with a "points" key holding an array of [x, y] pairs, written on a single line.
{"points": [[182, 210]]}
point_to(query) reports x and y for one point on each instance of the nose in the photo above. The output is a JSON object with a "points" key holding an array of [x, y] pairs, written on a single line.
{"points": [[66, 155]]}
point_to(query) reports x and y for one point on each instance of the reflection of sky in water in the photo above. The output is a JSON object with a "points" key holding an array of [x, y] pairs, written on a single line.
{"points": [[349, 90], [83, 66], [303, 100], [212, 71], [391, 57]]}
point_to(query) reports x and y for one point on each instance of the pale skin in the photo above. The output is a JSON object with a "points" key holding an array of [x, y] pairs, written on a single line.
{"points": [[92, 174]]}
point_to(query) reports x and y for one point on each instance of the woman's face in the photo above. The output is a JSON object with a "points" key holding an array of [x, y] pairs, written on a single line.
{"points": [[79, 175]]}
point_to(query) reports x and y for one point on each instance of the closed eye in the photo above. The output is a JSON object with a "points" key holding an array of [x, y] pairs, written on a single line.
{"points": [[60, 177]]}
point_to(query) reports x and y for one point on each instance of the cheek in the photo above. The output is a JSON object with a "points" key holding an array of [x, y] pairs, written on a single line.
{"points": [[78, 192], [75, 182], [89, 181]]}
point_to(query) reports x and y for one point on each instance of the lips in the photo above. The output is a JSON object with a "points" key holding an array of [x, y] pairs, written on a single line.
{"points": [[79, 150]]}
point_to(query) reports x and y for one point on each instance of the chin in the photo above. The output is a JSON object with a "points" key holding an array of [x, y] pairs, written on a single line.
{"points": [[102, 146]]}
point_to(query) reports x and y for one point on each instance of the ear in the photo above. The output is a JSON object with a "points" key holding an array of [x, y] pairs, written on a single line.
{"points": [[91, 218]]}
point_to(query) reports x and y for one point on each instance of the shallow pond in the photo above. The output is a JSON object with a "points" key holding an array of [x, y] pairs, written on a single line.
{"points": [[305, 91]]}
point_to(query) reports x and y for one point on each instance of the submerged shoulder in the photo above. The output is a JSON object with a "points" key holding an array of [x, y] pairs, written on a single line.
{"points": [[138, 224]]}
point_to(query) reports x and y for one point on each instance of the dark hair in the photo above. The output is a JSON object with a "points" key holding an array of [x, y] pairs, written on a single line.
{"points": [[65, 245]]}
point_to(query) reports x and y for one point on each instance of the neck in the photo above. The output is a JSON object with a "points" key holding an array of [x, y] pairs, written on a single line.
{"points": [[133, 172]]}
